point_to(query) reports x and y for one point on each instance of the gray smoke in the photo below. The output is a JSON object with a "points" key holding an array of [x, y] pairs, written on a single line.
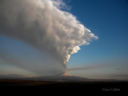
{"points": [[45, 26]]}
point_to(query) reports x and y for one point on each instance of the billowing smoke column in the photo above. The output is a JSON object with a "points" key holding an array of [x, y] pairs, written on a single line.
{"points": [[44, 25]]}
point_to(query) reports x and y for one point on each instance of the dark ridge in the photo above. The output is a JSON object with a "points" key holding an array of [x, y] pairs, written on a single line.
{"points": [[68, 83]]}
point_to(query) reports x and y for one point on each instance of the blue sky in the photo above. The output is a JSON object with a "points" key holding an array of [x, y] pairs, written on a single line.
{"points": [[108, 19]]}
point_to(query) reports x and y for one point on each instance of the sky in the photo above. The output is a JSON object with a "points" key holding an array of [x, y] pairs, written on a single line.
{"points": [[108, 19], [104, 58]]}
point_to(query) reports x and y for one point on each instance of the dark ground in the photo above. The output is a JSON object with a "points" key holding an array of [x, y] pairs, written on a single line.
{"points": [[105, 87]]}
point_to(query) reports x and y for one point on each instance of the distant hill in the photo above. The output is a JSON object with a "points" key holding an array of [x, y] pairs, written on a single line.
{"points": [[62, 78], [44, 78], [59, 78]]}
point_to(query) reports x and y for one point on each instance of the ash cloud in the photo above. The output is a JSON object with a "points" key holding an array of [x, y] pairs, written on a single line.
{"points": [[45, 26]]}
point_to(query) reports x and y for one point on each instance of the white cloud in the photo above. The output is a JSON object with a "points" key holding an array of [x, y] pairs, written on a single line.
{"points": [[42, 24]]}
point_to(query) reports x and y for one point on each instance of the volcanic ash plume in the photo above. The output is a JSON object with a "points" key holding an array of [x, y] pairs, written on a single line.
{"points": [[45, 26]]}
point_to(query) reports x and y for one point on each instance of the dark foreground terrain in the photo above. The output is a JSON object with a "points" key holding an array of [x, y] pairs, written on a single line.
{"points": [[87, 86]]}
